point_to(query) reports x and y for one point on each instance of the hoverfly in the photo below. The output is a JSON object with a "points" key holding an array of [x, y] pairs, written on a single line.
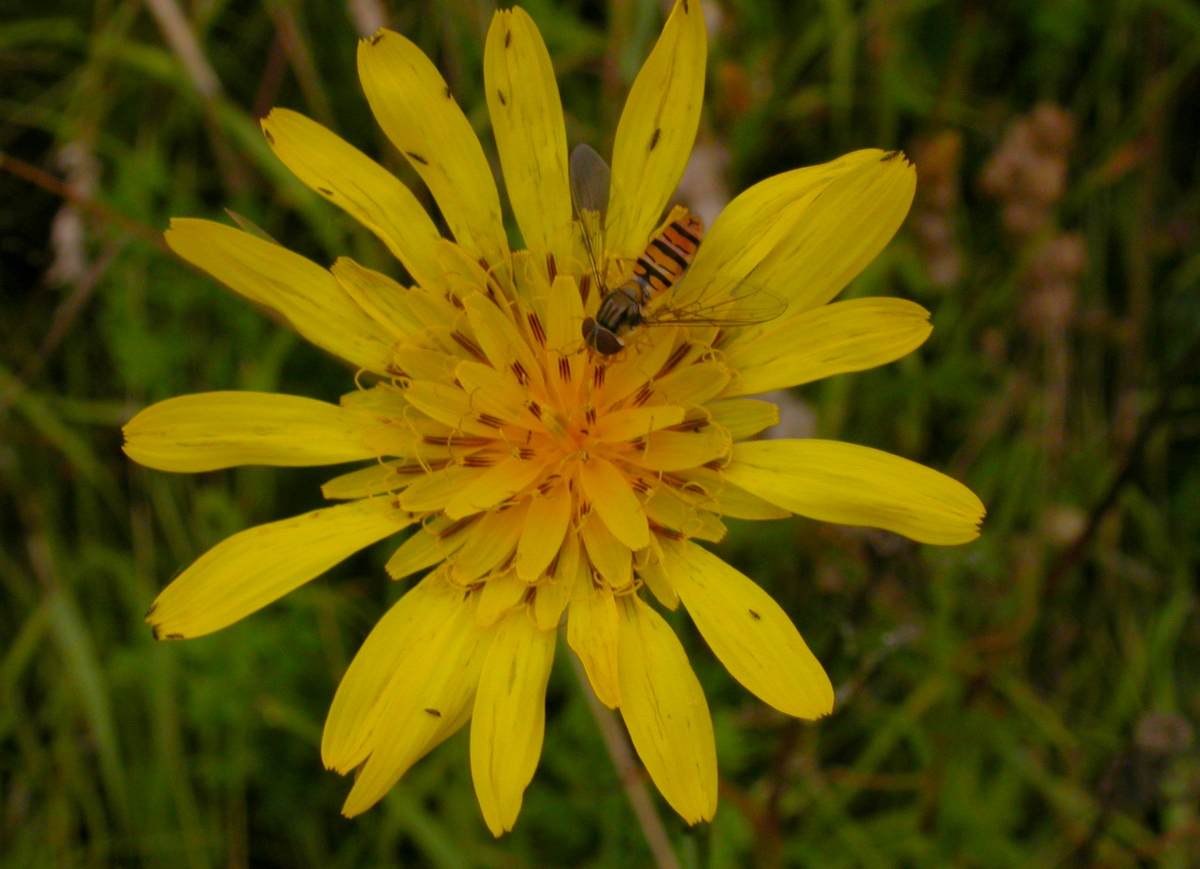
{"points": [[644, 296]]}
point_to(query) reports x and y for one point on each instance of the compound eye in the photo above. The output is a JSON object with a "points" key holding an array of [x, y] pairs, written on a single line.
{"points": [[589, 331], [606, 343]]}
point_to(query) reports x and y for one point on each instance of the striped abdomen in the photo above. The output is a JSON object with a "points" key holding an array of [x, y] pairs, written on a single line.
{"points": [[657, 269], [667, 255]]}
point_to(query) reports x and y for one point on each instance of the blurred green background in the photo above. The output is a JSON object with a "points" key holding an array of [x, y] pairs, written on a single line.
{"points": [[1030, 699]]}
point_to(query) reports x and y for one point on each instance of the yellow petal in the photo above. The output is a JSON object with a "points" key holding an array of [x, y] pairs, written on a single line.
{"points": [[749, 632], [634, 422], [657, 130], [254, 567], [498, 337], [489, 542], [593, 633], [377, 479], [531, 137], [666, 713], [545, 525], [612, 559], [743, 417], [668, 509], [413, 104], [693, 384], [846, 336], [434, 490], [435, 542], [353, 181], [495, 394], [510, 717], [650, 569], [550, 601], [637, 371], [500, 593], [448, 404], [614, 501], [760, 218], [305, 294], [385, 300], [679, 450], [499, 482], [409, 626], [736, 503], [429, 689], [838, 234], [555, 591], [211, 430], [855, 485]]}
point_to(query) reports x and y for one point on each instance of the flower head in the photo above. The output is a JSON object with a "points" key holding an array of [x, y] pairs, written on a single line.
{"points": [[546, 477]]}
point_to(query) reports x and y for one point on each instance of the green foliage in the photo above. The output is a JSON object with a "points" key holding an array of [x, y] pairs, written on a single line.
{"points": [[1020, 701]]}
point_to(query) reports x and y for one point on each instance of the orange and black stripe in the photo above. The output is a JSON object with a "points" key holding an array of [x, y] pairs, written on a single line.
{"points": [[668, 254]]}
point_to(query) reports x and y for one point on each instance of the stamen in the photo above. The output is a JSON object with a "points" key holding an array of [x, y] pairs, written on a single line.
{"points": [[674, 359], [689, 424], [470, 346], [479, 461], [489, 420], [669, 533], [456, 440], [535, 326]]}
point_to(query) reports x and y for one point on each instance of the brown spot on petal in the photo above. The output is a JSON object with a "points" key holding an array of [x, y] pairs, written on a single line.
{"points": [[755, 615], [417, 157], [435, 713]]}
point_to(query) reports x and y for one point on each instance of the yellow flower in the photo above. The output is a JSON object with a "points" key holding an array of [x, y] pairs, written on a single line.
{"points": [[544, 479]]}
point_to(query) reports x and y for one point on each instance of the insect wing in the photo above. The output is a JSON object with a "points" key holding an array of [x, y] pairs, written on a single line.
{"points": [[590, 178], [722, 301]]}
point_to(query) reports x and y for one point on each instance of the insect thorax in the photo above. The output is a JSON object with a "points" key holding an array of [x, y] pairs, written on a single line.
{"points": [[622, 308]]}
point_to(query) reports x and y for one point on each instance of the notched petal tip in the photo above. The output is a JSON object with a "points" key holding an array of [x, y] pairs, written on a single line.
{"points": [[374, 38]]}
